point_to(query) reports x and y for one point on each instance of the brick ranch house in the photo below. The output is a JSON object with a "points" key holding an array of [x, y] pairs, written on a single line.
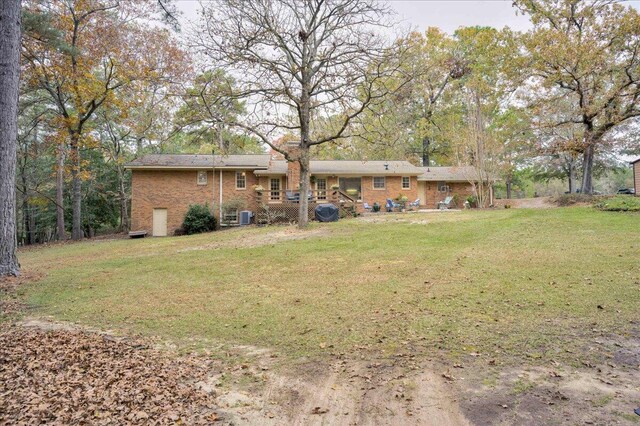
{"points": [[164, 185]]}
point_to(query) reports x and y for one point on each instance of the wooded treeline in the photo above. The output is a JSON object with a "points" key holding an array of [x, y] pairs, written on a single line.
{"points": [[104, 81]]}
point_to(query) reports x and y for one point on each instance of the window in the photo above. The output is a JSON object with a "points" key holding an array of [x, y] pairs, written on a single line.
{"points": [[443, 187], [321, 187], [274, 187], [241, 180], [202, 177], [230, 216], [378, 182], [406, 182]]}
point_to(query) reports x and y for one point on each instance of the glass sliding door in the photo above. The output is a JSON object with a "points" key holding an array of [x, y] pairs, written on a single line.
{"points": [[352, 187]]}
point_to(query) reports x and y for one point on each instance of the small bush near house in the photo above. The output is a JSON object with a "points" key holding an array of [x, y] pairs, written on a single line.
{"points": [[473, 201], [625, 203], [198, 219]]}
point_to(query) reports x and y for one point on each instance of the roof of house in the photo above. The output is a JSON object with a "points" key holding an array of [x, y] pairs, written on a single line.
{"points": [[199, 161], [635, 161], [263, 166], [348, 167], [449, 174]]}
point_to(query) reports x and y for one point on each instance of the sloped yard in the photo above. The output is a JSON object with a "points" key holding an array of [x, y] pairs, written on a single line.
{"points": [[516, 316]]}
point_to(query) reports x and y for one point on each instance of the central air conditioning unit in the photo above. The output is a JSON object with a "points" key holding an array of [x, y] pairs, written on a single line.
{"points": [[245, 217]]}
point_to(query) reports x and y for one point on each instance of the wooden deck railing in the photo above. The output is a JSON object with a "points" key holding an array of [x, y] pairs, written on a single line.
{"points": [[291, 196], [283, 206]]}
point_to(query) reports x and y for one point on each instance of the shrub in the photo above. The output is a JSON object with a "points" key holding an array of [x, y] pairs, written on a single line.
{"points": [[565, 200], [623, 203], [473, 201], [198, 219]]}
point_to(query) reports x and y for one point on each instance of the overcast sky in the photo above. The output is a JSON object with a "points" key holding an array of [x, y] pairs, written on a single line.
{"points": [[446, 14]]}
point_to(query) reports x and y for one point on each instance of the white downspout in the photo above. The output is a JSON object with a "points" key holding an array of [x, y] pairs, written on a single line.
{"points": [[220, 203]]}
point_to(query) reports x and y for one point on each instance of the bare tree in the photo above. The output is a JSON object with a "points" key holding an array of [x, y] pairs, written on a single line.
{"points": [[299, 65], [9, 89]]}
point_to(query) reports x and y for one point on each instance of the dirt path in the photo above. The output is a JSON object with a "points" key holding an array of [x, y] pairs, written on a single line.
{"points": [[526, 203], [351, 393]]}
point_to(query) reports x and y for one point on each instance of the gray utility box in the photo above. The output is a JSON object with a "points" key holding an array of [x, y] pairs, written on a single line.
{"points": [[245, 217]]}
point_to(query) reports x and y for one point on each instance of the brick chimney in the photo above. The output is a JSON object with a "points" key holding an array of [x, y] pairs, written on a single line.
{"points": [[293, 166]]}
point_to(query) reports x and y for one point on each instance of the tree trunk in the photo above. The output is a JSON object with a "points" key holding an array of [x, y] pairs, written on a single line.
{"points": [[425, 151], [572, 178], [587, 169], [305, 183], [480, 160], [124, 205], [9, 89], [508, 183], [60, 195], [76, 189], [303, 153]]}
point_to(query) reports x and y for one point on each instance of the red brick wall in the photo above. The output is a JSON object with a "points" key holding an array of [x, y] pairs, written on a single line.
{"points": [[433, 196], [173, 190], [293, 175], [230, 192], [636, 176], [176, 190], [393, 188]]}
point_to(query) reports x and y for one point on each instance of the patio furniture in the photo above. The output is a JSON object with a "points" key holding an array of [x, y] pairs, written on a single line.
{"points": [[391, 205], [446, 203], [366, 206], [295, 196], [415, 203], [292, 196], [137, 234]]}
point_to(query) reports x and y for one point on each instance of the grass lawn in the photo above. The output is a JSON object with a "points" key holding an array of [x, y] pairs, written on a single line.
{"points": [[528, 285]]}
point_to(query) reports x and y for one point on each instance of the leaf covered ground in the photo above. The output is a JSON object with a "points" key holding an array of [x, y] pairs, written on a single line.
{"points": [[71, 377]]}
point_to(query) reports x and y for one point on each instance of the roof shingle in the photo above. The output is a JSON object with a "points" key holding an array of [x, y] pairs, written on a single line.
{"points": [[262, 166], [195, 161], [448, 174]]}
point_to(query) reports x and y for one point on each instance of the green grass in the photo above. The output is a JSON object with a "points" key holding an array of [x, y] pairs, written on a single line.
{"points": [[519, 285], [620, 203]]}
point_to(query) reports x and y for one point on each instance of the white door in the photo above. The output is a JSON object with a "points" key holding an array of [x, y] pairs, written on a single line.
{"points": [[422, 192], [159, 222]]}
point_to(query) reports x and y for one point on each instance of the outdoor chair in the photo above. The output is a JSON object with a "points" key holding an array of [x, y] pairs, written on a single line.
{"points": [[292, 196], [445, 204], [366, 206], [415, 203], [391, 205], [295, 196]]}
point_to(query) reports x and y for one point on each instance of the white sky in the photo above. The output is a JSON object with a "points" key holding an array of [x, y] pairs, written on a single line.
{"points": [[445, 14]]}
